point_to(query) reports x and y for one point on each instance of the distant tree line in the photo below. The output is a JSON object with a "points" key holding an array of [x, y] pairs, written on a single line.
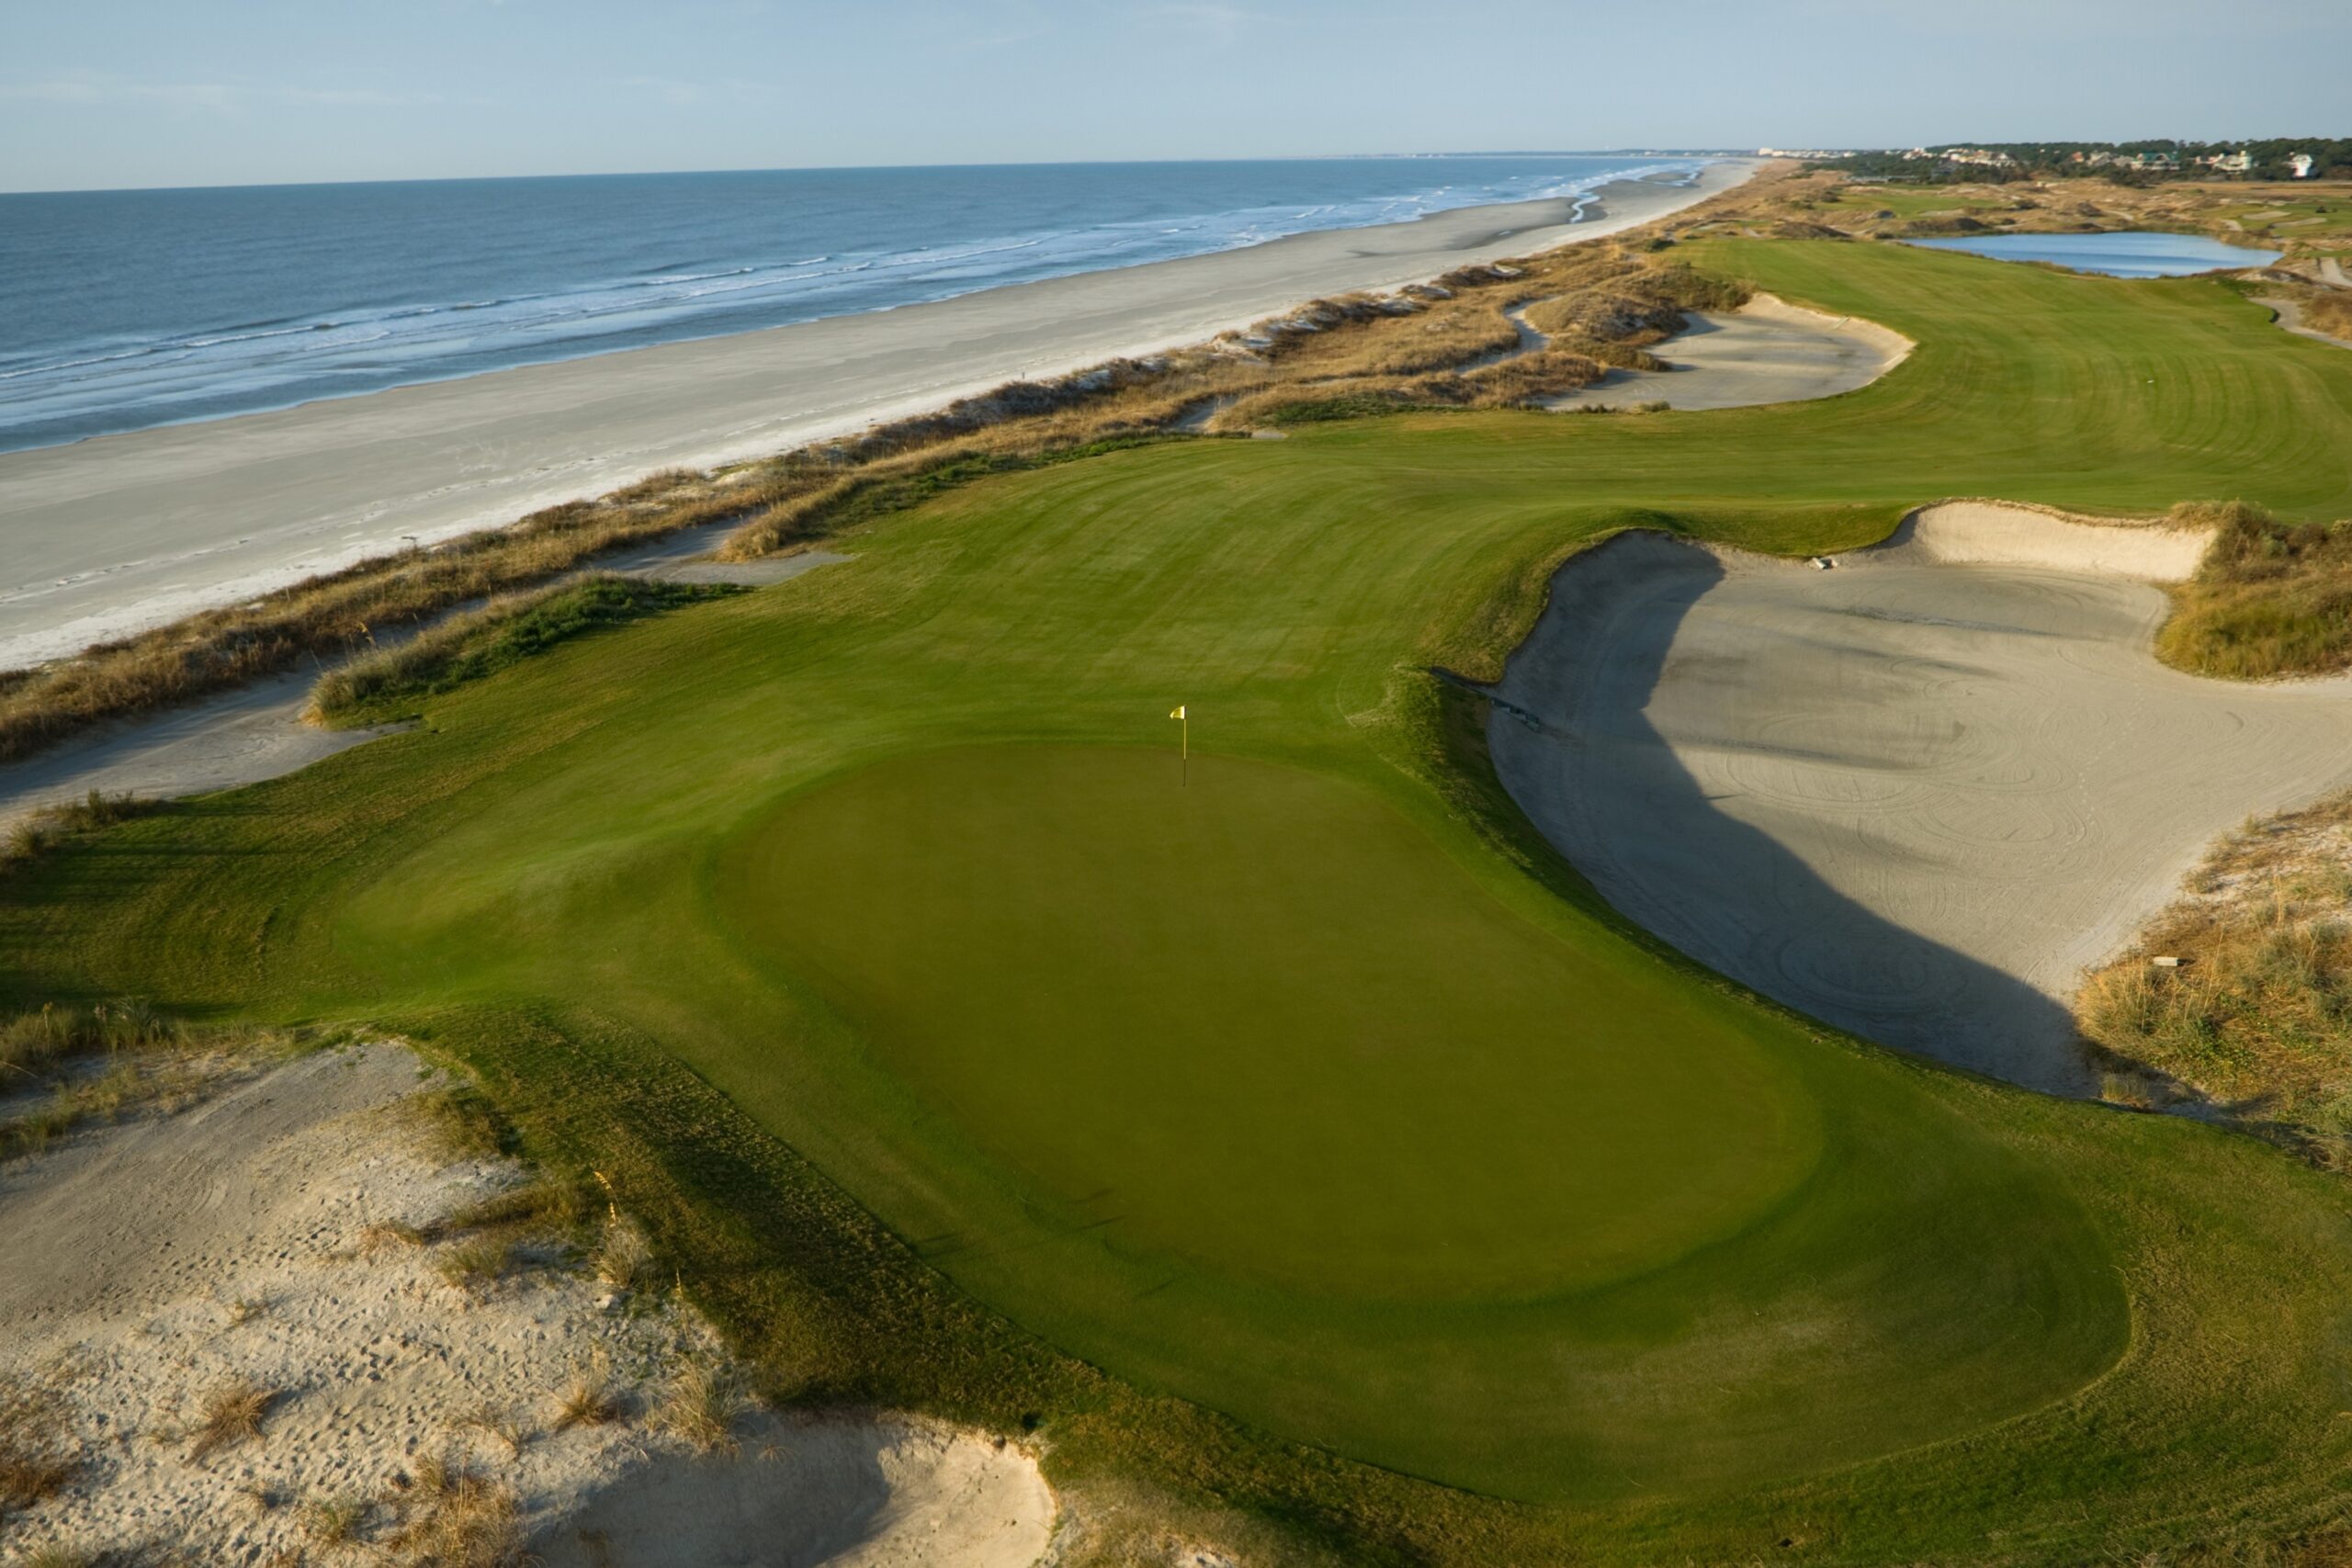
{"points": [[2128, 163]]}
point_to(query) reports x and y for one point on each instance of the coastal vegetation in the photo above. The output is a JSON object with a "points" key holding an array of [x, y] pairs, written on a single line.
{"points": [[2251, 1009], [1451, 344], [380, 685], [2272, 598], [1298, 1148]]}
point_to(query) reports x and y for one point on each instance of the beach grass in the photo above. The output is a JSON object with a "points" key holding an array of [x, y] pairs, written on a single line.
{"points": [[2272, 598], [1299, 1142]]}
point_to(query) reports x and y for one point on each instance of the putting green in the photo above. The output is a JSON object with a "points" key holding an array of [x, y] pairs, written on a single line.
{"points": [[1263, 1017], [1259, 1068]]}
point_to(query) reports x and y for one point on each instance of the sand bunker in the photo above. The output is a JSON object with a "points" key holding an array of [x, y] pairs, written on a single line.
{"points": [[153, 1263], [1914, 795], [1768, 352]]}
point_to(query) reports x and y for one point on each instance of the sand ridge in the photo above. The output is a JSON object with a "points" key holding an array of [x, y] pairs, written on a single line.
{"points": [[1915, 794], [155, 1261]]}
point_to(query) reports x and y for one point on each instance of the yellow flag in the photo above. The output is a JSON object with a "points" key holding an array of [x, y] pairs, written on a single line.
{"points": [[1179, 713]]}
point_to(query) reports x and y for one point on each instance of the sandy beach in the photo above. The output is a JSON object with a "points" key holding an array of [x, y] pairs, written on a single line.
{"points": [[123, 532]]}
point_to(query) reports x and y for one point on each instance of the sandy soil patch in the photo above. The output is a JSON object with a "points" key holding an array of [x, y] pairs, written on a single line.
{"points": [[242, 1244], [1915, 795], [1767, 352]]}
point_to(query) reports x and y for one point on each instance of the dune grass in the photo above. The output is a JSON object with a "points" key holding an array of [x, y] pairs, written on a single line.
{"points": [[1042, 1165], [2254, 1012], [2271, 598], [1401, 351], [389, 683]]}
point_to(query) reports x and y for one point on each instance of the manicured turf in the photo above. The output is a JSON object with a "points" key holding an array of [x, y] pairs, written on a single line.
{"points": [[1317, 1094]]}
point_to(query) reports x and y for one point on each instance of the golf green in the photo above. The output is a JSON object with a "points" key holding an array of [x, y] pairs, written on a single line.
{"points": [[1266, 1020], [1259, 1066]]}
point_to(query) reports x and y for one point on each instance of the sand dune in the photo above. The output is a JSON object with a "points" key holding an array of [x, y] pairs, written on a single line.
{"points": [[154, 1262]]}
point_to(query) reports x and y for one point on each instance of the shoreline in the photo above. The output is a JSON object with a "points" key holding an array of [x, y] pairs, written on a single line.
{"points": [[118, 532]]}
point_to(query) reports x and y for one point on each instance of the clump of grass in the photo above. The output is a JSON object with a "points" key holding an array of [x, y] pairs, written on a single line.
{"points": [[589, 1401], [2271, 598], [58, 1557], [701, 1404], [478, 1262], [37, 832], [499, 1427], [624, 1256], [39, 1457], [455, 1517], [481, 642], [384, 1235], [454, 1124], [230, 1414], [338, 1522]]}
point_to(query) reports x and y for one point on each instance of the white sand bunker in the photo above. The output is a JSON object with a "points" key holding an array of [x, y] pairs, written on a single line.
{"points": [[1914, 795], [254, 1243], [1767, 352]]}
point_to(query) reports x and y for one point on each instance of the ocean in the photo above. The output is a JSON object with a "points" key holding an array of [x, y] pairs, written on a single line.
{"points": [[124, 309]]}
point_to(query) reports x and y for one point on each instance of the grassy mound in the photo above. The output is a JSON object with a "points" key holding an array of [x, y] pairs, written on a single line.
{"points": [[755, 912]]}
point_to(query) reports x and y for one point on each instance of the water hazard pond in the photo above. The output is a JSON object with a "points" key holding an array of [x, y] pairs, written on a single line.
{"points": [[2116, 255]]}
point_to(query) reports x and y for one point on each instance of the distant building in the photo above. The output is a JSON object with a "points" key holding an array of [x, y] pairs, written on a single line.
{"points": [[2237, 163], [2300, 163]]}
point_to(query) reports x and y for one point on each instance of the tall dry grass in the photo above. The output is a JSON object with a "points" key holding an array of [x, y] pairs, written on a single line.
{"points": [[2271, 598], [2257, 1014]]}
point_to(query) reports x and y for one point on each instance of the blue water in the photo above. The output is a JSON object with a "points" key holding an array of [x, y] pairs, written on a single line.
{"points": [[122, 309], [2118, 255]]}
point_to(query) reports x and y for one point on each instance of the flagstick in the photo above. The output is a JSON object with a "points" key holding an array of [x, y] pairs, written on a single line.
{"points": [[1184, 750]]}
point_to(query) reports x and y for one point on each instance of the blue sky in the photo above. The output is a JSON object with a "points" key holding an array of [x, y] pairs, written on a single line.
{"points": [[110, 93]]}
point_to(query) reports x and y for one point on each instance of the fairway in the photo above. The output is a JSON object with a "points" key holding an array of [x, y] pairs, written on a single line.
{"points": [[861, 928]]}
